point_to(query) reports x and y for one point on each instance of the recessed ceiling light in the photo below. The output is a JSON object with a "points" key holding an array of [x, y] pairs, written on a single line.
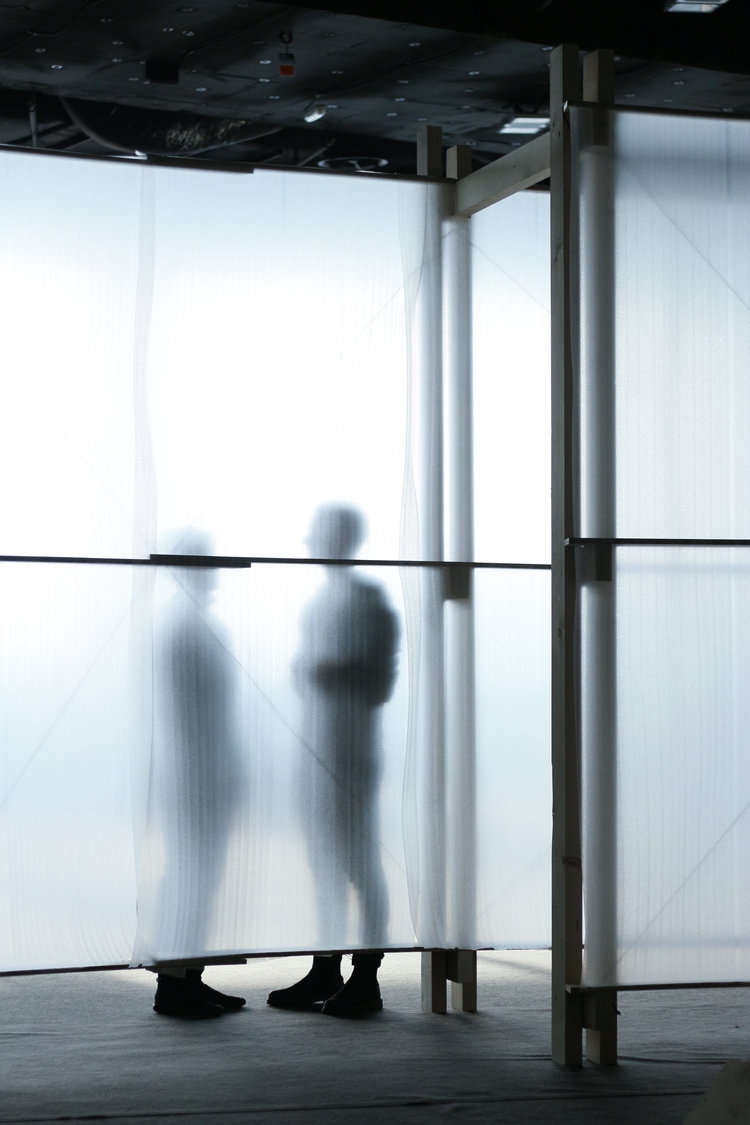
{"points": [[527, 125], [188, 33], [167, 29], [56, 66], [700, 6]]}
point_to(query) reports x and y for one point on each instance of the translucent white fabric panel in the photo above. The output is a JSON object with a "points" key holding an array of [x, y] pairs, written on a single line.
{"points": [[511, 359], [675, 905], [67, 876], [275, 787], [74, 310], [278, 355], [681, 192], [192, 347], [514, 781]]}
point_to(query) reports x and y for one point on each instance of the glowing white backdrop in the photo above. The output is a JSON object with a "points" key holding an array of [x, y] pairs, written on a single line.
{"points": [[226, 352]]}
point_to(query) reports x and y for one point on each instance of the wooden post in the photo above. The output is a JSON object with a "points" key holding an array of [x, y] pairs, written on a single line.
{"points": [[430, 151], [460, 702], [567, 1006], [426, 457], [434, 980], [458, 162], [597, 582], [462, 973]]}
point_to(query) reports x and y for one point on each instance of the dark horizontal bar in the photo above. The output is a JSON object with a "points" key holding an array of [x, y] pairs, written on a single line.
{"points": [[655, 110], [216, 562], [581, 989], [582, 541], [219, 562], [85, 559]]}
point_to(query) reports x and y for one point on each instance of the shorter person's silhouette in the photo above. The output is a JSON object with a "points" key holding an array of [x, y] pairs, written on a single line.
{"points": [[198, 774], [344, 672]]}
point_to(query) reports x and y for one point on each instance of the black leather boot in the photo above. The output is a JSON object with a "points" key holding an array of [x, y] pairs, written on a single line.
{"points": [[179, 996], [321, 982], [360, 996], [212, 995]]}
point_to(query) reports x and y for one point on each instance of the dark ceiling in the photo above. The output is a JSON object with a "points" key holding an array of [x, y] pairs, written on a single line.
{"points": [[205, 78]]}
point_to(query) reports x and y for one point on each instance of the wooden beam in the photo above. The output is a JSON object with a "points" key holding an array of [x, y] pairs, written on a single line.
{"points": [[510, 173]]}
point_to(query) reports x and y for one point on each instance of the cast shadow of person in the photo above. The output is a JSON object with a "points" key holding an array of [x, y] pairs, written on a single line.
{"points": [[344, 672], [199, 775]]}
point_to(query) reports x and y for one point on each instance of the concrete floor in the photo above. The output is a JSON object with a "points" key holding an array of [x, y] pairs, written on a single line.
{"points": [[88, 1046]]}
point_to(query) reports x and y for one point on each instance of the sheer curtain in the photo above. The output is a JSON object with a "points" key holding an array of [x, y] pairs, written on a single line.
{"points": [[213, 760], [666, 767]]}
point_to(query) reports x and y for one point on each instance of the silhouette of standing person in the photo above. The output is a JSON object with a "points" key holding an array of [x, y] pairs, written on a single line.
{"points": [[344, 671], [198, 773]]}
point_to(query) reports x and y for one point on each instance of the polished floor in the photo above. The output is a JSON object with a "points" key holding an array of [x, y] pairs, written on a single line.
{"points": [[79, 1047]]}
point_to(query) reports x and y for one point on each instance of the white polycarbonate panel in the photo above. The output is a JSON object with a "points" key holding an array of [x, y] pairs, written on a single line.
{"points": [[189, 347], [67, 877], [673, 904], [202, 762], [514, 780], [277, 355], [511, 341], [75, 299], [289, 800], [274, 798], [680, 188]]}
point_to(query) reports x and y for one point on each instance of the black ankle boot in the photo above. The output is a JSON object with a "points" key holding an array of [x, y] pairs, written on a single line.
{"points": [[360, 996], [212, 995], [321, 982], [179, 996]]}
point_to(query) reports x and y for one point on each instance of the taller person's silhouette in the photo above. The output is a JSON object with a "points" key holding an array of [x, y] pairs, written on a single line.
{"points": [[198, 772], [344, 672]]}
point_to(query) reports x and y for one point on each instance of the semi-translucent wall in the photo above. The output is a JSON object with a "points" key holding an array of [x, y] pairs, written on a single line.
{"points": [[209, 760], [665, 401]]}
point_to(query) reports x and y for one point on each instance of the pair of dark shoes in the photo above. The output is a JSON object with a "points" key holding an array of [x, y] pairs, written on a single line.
{"points": [[190, 998], [359, 996]]}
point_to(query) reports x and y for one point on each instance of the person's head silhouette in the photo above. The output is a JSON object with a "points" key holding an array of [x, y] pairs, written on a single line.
{"points": [[337, 532]]}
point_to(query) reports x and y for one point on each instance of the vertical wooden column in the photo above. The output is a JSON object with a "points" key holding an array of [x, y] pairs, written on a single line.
{"points": [[460, 703], [597, 581], [426, 407], [567, 1005]]}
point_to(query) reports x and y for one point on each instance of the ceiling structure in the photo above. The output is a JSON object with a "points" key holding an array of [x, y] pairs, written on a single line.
{"points": [[232, 80]]}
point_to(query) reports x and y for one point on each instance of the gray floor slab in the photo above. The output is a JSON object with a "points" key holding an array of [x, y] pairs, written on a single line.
{"points": [[83, 1046]]}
